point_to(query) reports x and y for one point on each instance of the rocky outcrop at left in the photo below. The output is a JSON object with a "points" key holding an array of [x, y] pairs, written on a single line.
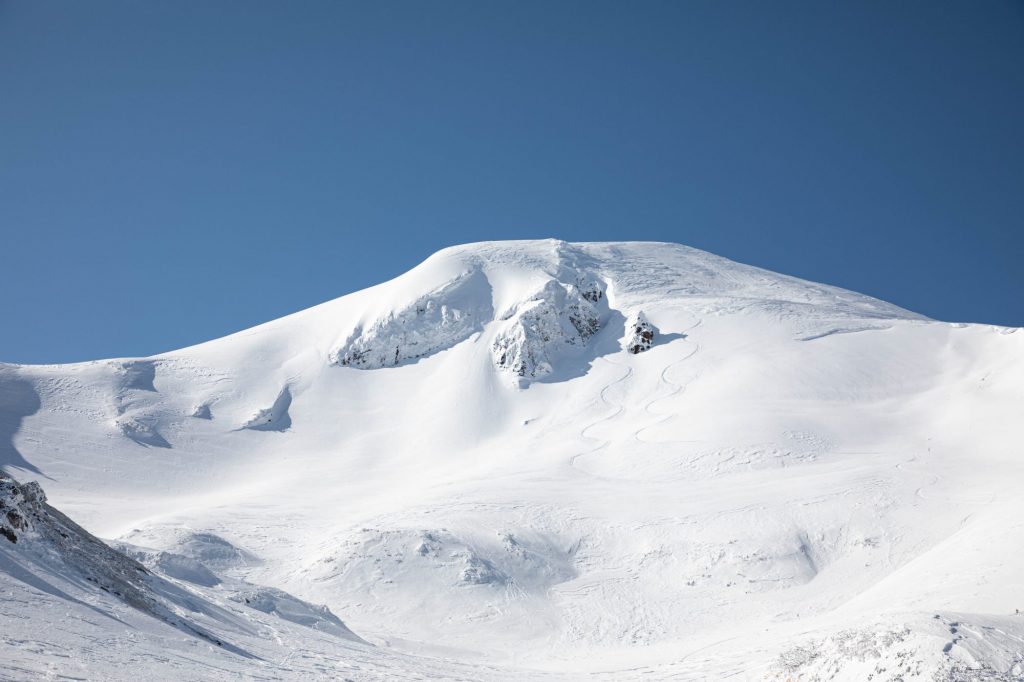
{"points": [[431, 323], [18, 505]]}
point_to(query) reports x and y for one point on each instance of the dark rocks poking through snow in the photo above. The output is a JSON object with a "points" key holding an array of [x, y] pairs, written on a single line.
{"points": [[17, 503], [48, 541], [564, 314], [42, 526], [43, 531], [639, 334], [555, 319]]}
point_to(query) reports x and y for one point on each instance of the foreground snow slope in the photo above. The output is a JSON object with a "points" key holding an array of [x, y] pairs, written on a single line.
{"points": [[474, 470]]}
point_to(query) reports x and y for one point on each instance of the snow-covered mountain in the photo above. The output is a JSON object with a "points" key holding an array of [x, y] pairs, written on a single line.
{"points": [[528, 460]]}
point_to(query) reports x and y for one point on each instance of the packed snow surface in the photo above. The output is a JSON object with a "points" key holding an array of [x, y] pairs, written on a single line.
{"points": [[528, 460]]}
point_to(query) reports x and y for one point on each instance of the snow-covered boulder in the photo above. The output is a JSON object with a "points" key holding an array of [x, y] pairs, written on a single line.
{"points": [[639, 333], [555, 319], [432, 323]]}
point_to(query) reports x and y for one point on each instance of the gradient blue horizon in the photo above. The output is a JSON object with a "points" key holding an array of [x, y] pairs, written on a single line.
{"points": [[174, 172]]}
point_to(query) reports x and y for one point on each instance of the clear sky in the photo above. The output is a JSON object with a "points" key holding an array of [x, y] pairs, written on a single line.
{"points": [[171, 172]]}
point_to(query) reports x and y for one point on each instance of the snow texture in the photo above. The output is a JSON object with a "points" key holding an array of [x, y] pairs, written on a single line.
{"points": [[484, 469]]}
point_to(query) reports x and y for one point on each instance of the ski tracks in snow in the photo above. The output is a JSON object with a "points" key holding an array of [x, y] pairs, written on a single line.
{"points": [[677, 388], [619, 408]]}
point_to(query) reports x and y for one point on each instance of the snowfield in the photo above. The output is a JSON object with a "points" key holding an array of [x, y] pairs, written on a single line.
{"points": [[528, 460]]}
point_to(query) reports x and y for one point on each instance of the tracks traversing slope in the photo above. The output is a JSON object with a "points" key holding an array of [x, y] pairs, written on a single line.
{"points": [[677, 388], [620, 408]]}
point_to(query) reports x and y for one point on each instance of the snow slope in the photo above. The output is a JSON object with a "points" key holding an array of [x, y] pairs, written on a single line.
{"points": [[487, 471]]}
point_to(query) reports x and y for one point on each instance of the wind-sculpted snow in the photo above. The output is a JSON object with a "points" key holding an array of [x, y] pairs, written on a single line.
{"points": [[171, 564], [275, 417], [951, 647], [432, 323], [141, 432], [138, 375], [287, 607], [490, 578], [714, 472], [501, 561], [204, 548]]}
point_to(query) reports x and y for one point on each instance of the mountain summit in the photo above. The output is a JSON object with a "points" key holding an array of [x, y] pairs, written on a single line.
{"points": [[535, 459]]}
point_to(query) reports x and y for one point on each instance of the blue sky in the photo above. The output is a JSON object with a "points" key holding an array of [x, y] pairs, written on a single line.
{"points": [[172, 172]]}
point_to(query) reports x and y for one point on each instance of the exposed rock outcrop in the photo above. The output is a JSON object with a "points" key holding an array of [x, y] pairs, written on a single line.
{"points": [[18, 505], [558, 317], [49, 536], [44, 537], [639, 334]]}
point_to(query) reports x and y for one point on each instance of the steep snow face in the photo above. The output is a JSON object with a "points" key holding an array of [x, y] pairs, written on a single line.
{"points": [[472, 467]]}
